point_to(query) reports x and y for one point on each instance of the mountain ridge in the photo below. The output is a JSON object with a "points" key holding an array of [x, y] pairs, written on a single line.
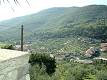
{"points": [[54, 21]]}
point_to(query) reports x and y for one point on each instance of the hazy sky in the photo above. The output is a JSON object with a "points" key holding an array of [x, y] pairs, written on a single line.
{"points": [[6, 11]]}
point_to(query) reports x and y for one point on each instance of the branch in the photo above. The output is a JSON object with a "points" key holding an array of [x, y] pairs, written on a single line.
{"points": [[15, 1], [27, 2]]}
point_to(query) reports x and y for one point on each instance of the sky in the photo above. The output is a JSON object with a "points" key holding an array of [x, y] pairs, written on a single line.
{"points": [[11, 10]]}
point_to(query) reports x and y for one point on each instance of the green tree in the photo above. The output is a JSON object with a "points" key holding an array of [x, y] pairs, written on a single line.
{"points": [[43, 59]]}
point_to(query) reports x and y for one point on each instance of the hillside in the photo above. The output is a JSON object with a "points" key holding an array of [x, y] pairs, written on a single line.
{"points": [[57, 23]]}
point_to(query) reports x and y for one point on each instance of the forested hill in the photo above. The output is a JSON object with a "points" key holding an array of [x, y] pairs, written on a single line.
{"points": [[58, 23]]}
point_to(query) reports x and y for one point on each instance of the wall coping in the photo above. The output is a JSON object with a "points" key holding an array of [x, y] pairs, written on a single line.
{"points": [[6, 54]]}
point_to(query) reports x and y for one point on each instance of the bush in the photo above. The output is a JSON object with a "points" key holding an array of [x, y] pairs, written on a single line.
{"points": [[101, 75], [43, 59], [7, 47]]}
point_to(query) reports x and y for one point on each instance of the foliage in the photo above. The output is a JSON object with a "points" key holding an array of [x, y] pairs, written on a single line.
{"points": [[61, 30], [58, 23], [43, 59], [8, 47], [72, 71], [62, 45]]}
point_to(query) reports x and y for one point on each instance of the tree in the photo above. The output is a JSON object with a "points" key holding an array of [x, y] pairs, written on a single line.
{"points": [[43, 59]]}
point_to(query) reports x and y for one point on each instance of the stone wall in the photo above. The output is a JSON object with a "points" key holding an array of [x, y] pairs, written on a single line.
{"points": [[15, 67]]}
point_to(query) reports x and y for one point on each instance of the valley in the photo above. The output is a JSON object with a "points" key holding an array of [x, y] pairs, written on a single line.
{"points": [[76, 37]]}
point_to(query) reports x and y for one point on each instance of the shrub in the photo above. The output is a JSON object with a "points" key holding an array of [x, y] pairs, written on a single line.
{"points": [[7, 47], [43, 59]]}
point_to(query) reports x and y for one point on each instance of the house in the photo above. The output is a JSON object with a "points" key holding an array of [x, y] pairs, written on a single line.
{"points": [[26, 47], [103, 47], [92, 52]]}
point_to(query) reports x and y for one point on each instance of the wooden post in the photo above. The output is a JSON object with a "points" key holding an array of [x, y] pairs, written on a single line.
{"points": [[21, 37]]}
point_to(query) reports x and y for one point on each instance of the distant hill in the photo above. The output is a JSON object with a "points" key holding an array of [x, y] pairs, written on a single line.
{"points": [[57, 22]]}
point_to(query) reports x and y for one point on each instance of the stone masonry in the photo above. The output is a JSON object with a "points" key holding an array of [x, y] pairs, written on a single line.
{"points": [[14, 65]]}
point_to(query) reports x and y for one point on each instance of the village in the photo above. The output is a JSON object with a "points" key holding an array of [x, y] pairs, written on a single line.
{"points": [[87, 57]]}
